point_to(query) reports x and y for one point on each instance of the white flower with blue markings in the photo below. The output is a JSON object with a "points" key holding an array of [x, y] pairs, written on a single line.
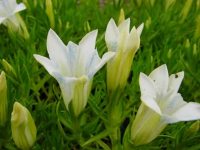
{"points": [[161, 105], [73, 66]]}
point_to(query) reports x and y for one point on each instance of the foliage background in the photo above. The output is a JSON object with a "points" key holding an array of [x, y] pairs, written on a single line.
{"points": [[170, 36]]}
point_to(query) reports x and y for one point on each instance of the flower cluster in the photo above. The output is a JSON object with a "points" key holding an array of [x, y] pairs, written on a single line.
{"points": [[74, 67]]}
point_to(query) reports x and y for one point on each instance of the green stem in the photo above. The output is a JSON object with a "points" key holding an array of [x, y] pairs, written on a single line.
{"points": [[76, 128], [116, 139]]}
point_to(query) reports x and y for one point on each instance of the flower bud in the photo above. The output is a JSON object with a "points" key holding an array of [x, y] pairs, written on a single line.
{"points": [[87, 27], [49, 12], [187, 43], [23, 127], [195, 49], [192, 130], [185, 10], [197, 30], [169, 3], [121, 16], [3, 99], [8, 68]]}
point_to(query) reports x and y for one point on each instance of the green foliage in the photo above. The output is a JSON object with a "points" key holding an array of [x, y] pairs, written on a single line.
{"points": [[164, 40]]}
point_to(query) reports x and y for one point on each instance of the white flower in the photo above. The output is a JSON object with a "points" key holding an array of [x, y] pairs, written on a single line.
{"points": [[8, 9], [73, 66], [125, 44], [161, 105]]}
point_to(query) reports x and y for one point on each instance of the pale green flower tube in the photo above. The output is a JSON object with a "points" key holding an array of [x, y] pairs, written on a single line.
{"points": [[3, 99], [23, 127]]}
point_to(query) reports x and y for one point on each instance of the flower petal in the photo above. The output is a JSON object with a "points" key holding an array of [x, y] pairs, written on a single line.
{"points": [[19, 7], [48, 64], [67, 87], [151, 103], [175, 81], [86, 50], [190, 111], [171, 102], [147, 86], [87, 43], [124, 34], [133, 41], [11, 4], [139, 29], [124, 28], [3, 11], [106, 57], [112, 36], [161, 78], [2, 19], [72, 54], [57, 51]]}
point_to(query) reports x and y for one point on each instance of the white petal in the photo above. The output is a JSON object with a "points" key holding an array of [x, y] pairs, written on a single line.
{"points": [[147, 86], [133, 41], [3, 10], [139, 29], [112, 36], [106, 57], [190, 111], [86, 49], [175, 81], [2, 19], [161, 78], [19, 7], [87, 43], [171, 102], [57, 51], [151, 103], [124, 27], [48, 64], [72, 54], [67, 87], [92, 62], [10, 3], [124, 34]]}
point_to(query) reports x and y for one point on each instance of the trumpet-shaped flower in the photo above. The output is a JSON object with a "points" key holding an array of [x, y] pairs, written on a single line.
{"points": [[8, 9], [23, 127], [73, 66], [161, 105], [125, 44]]}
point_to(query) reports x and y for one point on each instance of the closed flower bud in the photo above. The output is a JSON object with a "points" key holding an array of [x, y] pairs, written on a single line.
{"points": [[50, 13], [121, 16], [185, 10], [8, 68], [3, 98], [192, 130], [23, 127]]}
